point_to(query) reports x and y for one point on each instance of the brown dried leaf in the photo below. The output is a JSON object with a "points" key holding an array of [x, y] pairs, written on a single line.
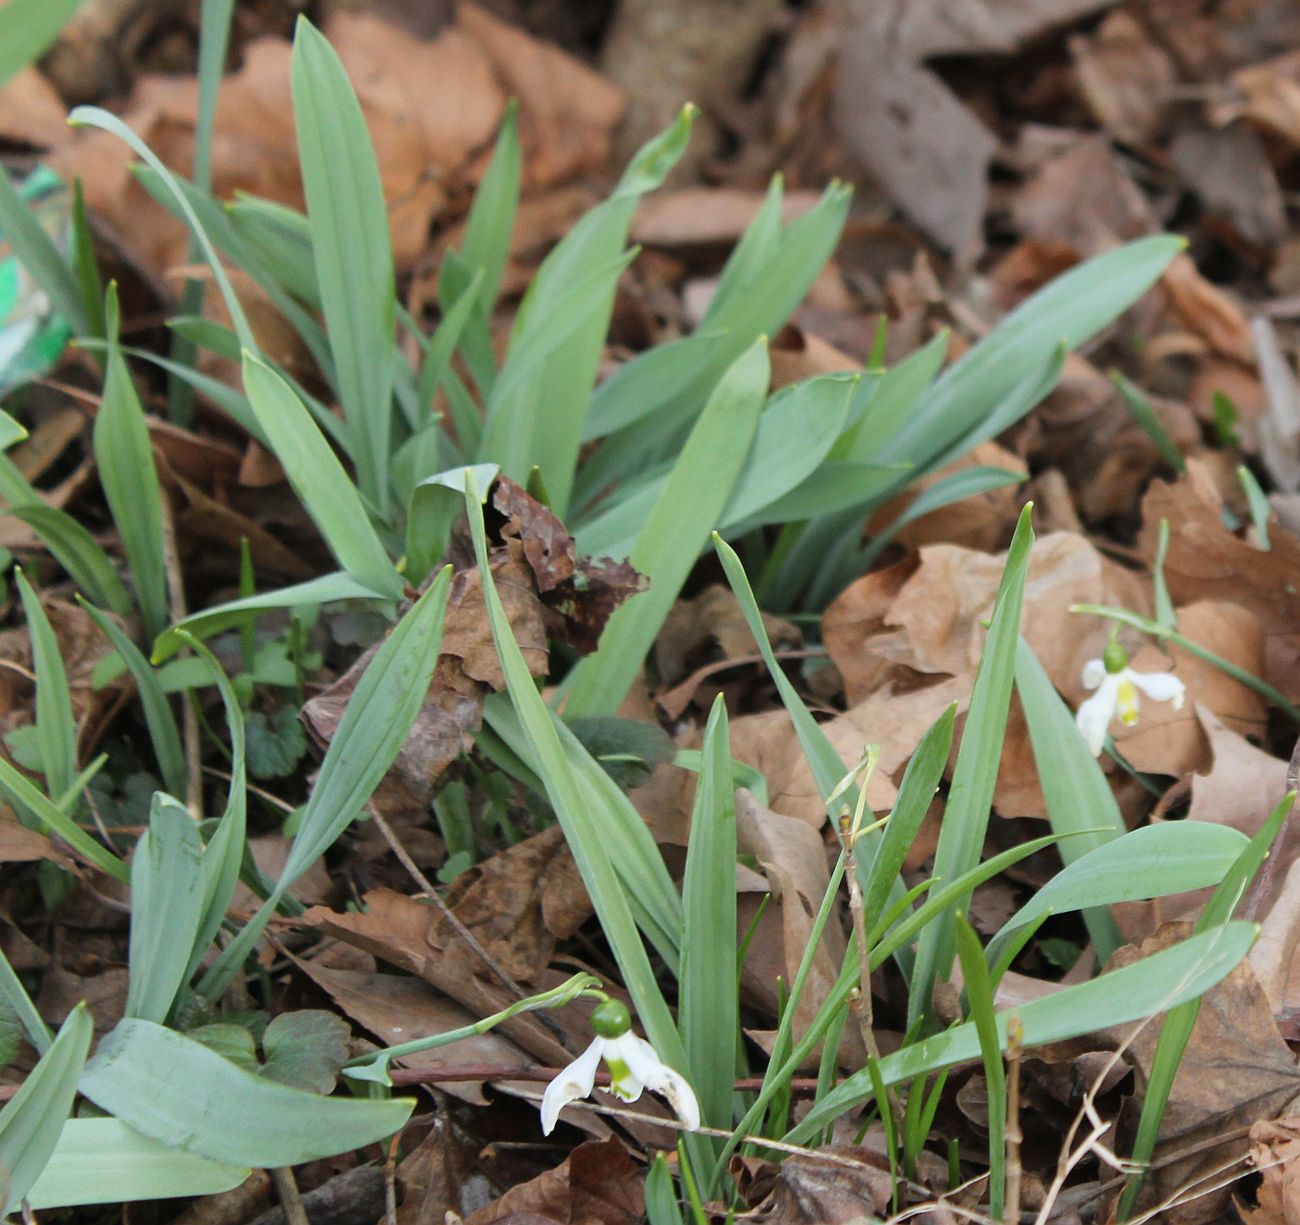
{"points": [[509, 901], [414, 936], [1125, 77], [596, 1184], [836, 1185], [1207, 311], [31, 110], [18, 844]]}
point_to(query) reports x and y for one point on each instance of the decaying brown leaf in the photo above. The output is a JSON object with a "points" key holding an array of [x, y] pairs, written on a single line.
{"points": [[836, 1185], [1275, 1153], [596, 1184]]}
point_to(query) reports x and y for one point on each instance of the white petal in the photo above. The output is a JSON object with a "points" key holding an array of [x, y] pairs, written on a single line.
{"points": [[660, 1078], [1094, 672], [1160, 687], [574, 1082], [1094, 716]]}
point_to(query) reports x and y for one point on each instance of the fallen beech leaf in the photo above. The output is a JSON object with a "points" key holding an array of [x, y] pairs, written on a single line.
{"points": [[707, 214], [18, 844], [1268, 94], [596, 1184], [31, 111], [814, 1188]]}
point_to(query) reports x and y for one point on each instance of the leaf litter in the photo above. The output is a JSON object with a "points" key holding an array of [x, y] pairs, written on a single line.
{"points": [[1058, 129]]}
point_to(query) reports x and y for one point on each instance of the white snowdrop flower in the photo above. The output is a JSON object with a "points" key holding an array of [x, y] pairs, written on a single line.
{"points": [[633, 1065], [1117, 688]]}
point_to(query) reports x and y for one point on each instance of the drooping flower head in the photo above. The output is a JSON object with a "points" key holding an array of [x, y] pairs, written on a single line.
{"points": [[633, 1065]]}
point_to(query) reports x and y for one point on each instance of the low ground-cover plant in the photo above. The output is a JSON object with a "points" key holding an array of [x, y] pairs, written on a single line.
{"points": [[681, 451]]}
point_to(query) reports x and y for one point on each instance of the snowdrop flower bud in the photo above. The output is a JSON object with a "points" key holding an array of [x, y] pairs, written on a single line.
{"points": [[633, 1065], [1117, 688]]}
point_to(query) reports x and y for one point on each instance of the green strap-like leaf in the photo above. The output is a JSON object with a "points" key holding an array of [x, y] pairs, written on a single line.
{"points": [[199, 1102], [354, 256]]}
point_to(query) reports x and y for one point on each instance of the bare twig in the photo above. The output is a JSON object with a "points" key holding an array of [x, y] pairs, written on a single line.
{"points": [[286, 1187]]}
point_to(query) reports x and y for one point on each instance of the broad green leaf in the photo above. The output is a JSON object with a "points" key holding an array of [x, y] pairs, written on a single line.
{"points": [[587, 836], [203, 1104], [318, 479], [158, 716], [281, 238], [166, 908], [708, 1015], [27, 28], [354, 255], [486, 247], [327, 589], [103, 1161], [970, 798], [56, 729], [1154, 861], [891, 400], [835, 486], [1152, 985], [372, 731], [675, 532], [31, 1122], [34, 249], [124, 458], [766, 277], [76, 551], [1078, 796]]}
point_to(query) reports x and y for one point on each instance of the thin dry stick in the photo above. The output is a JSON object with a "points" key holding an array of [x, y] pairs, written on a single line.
{"points": [[189, 718], [286, 1187], [863, 1007], [1014, 1136], [390, 1180]]}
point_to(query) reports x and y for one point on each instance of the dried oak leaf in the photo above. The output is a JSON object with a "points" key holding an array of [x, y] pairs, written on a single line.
{"points": [[597, 1184]]}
